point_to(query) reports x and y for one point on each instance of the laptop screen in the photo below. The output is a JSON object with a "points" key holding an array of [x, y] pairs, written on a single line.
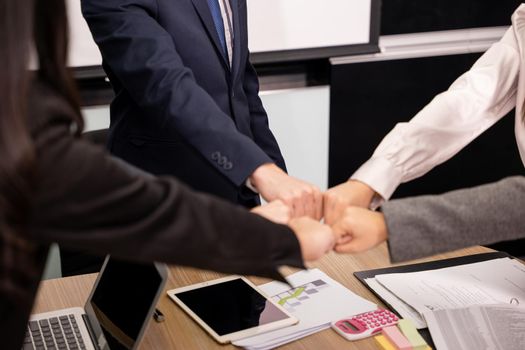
{"points": [[123, 301]]}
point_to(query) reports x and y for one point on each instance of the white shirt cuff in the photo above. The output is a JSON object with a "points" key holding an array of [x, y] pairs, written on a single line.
{"points": [[249, 184], [381, 175]]}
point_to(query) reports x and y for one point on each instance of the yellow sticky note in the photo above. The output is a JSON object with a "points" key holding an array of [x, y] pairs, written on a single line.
{"points": [[384, 343], [410, 332]]}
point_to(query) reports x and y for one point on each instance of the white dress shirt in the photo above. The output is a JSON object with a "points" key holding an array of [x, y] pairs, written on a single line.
{"points": [[474, 102], [227, 19]]}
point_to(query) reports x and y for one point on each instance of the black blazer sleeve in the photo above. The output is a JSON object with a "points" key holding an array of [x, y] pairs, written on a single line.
{"points": [[144, 58], [259, 119], [87, 199]]}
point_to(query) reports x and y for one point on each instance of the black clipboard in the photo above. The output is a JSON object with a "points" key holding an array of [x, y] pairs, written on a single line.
{"points": [[432, 265]]}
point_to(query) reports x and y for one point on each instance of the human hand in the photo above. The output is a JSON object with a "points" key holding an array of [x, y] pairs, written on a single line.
{"points": [[315, 239], [304, 199], [359, 230], [275, 211], [338, 198]]}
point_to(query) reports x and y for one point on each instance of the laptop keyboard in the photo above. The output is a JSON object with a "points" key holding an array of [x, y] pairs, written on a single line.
{"points": [[55, 333]]}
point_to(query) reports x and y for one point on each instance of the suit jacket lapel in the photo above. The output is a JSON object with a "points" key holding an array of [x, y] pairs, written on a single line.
{"points": [[236, 38], [204, 13]]}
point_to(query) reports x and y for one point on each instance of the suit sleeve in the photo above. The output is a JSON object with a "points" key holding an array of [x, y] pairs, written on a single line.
{"points": [[87, 200], [262, 134], [144, 58], [427, 225]]}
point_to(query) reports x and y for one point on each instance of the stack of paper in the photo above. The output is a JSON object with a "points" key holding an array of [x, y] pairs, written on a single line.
{"points": [[500, 327], [402, 308], [489, 282], [316, 300]]}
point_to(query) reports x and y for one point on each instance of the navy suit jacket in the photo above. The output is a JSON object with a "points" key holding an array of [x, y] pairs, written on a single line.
{"points": [[179, 108]]}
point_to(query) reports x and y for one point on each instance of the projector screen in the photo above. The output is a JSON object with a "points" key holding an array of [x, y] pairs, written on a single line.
{"points": [[278, 30]]}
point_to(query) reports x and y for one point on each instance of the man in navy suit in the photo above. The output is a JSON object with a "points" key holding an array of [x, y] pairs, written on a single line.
{"points": [[187, 99]]}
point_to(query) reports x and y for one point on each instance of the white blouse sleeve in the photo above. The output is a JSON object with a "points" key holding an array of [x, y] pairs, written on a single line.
{"points": [[474, 102]]}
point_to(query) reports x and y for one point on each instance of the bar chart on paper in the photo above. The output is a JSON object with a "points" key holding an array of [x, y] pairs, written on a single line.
{"points": [[315, 300], [294, 298]]}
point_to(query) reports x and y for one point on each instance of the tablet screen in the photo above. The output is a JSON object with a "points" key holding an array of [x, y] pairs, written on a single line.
{"points": [[231, 306]]}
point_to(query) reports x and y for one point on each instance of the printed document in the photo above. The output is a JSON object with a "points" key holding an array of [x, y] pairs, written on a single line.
{"points": [[482, 327], [402, 308], [316, 300], [495, 281]]}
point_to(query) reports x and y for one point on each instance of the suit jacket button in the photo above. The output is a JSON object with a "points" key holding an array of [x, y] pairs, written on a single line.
{"points": [[216, 155], [223, 160], [228, 166]]}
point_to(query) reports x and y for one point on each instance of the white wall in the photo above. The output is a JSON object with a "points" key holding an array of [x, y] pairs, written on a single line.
{"points": [[299, 119], [96, 118]]}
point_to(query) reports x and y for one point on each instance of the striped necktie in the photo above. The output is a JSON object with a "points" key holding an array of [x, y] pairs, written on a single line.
{"points": [[219, 24]]}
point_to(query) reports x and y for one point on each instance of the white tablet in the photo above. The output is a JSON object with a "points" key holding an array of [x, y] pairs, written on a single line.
{"points": [[231, 308]]}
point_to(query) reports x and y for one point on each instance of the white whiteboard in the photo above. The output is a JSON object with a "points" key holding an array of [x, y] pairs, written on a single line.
{"points": [[279, 25], [273, 25], [82, 48]]}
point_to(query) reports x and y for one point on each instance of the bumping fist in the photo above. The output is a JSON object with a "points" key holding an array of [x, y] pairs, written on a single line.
{"points": [[275, 211], [315, 239], [359, 230], [338, 198], [303, 198]]}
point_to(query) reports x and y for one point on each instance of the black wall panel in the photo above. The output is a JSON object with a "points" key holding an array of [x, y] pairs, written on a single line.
{"points": [[412, 16], [368, 99]]}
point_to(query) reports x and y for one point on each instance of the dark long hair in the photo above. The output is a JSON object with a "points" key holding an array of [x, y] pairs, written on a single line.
{"points": [[24, 25]]}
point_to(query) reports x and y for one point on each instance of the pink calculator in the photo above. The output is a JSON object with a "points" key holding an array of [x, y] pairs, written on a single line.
{"points": [[364, 325]]}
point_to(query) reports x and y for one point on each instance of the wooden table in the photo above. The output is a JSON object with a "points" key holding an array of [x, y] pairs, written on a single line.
{"points": [[180, 332]]}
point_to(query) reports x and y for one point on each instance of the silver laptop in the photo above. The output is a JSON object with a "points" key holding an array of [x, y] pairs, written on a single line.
{"points": [[115, 316]]}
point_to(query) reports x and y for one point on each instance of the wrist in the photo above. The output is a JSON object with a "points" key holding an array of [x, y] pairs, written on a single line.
{"points": [[366, 193], [261, 173], [383, 228]]}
